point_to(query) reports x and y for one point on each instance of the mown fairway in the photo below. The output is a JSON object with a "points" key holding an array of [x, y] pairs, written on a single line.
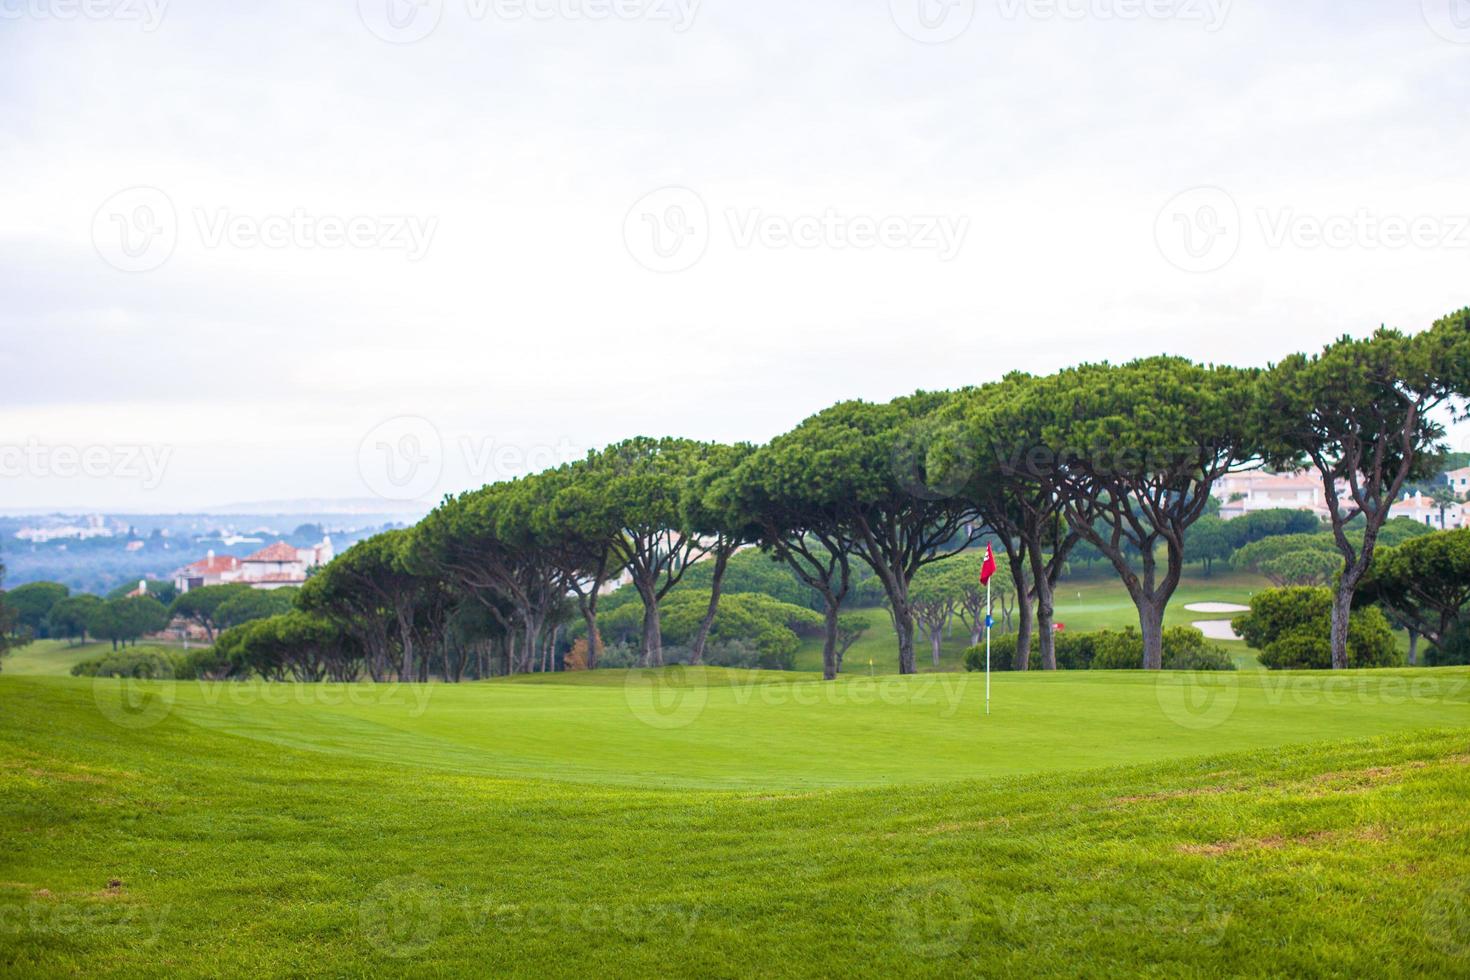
{"points": [[1099, 824]]}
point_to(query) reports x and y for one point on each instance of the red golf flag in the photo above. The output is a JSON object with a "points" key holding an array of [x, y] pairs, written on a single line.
{"points": [[987, 569]]}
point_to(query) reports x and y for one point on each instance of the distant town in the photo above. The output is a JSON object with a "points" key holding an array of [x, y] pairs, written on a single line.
{"points": [[102, 552]]}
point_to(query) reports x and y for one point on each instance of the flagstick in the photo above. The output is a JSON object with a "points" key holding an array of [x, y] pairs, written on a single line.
{"points": [[987, 649]]}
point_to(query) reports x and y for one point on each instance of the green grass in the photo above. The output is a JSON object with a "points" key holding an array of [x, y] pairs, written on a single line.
{"points": [[726, 823], [1096, 824], [716, 729], [57, 657]]}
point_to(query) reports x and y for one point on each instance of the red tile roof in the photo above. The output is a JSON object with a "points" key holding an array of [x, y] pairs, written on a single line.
{"points": [[280, 551], [211, 566]]}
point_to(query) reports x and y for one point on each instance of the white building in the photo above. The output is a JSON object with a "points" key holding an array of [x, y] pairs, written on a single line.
{"points": [[1245, 493], [273, 567], [1424, 510], [1459, 481], [210, 570]]}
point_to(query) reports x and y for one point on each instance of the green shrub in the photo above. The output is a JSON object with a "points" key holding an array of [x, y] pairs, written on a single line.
{"points": [[1121, 650], [1454, 651], [675, 654], [1075, 651], [1002, 653], [1370, 641], [1291, 628], [202, 664], [1185, 648], [618, 656], [1302, 650], [734, 653], [129, 663], [1276, 612], [1205, 657], [773, 627]]}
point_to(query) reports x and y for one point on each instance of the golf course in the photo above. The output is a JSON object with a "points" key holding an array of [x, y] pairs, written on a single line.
{"points": [[697, 820], [709, 710]]}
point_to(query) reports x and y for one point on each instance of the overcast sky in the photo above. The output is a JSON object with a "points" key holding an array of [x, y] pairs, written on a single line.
{"points": [[278, 250]]}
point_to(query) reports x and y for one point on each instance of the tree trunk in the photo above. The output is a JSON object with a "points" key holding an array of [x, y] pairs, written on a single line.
{"points": [[697, 651], [1046, 628], [405, 632], [1023, 635], [829, 644], [594, 635], [1149, 594], [936, 638], [1016, 558], [1151, 623], [532, 647], [903, 624], [1045, 607], [1413, 648], [1342, 604], [653, 642]]}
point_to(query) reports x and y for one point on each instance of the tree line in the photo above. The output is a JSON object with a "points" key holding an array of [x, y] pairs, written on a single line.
{"points": [[1120, 459], [1117, 460]]}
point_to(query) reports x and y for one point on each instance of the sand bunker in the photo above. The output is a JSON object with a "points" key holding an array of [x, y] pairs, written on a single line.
{"points": [[1216, 607], [1216, 629]]}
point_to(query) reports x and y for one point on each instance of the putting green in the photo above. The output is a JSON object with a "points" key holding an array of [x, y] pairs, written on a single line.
{"points": [[718, 729]]}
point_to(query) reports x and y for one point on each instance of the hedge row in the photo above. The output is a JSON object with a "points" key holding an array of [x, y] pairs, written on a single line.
{"points": [[1185, 648]]}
